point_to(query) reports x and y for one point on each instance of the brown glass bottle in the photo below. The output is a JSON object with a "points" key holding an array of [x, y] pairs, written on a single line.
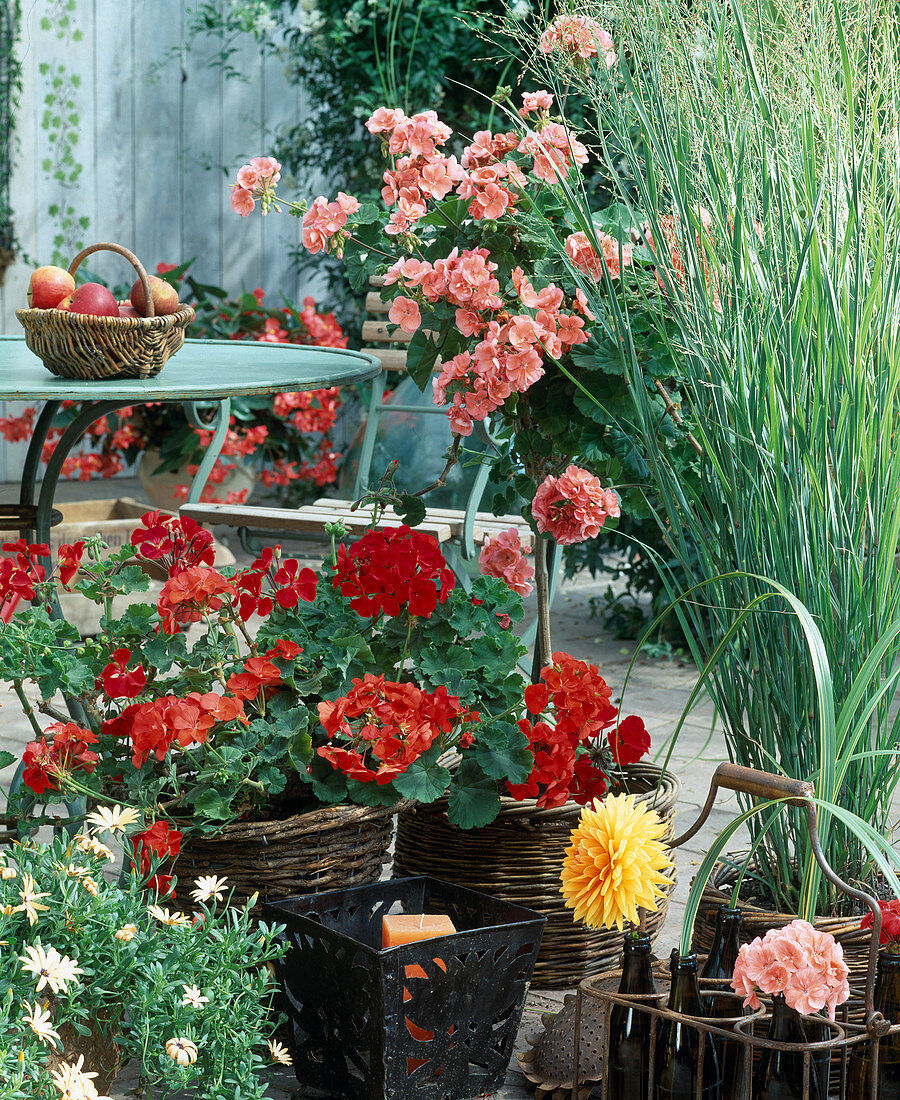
{"points": [[887, 1002], [628, 1073], [677, 1052], [779, 1075], [718, 968]]}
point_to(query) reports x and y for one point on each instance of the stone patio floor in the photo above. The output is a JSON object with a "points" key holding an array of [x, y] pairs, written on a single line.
{"points": [[658, 689]]}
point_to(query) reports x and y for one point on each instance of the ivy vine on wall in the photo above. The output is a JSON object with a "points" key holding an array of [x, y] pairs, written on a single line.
{"points": [[10, 85], [60, 122]]}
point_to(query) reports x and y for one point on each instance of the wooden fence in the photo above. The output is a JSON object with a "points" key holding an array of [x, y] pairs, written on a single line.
{"points": [[126, 135]]}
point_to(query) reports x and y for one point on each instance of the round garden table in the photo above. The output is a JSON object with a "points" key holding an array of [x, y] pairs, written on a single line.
{"points": [[203, 373]]}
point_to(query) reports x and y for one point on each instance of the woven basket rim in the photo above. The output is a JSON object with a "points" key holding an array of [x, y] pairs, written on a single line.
{"points": [[669, 787], [79, 320], [724, 874], [309, 821]]}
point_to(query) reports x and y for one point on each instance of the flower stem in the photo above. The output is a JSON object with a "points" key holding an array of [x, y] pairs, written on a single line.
{"points": [[27, 708], [543, 644]]}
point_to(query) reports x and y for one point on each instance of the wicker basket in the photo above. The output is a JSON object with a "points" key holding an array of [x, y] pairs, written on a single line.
{"points": [[518, 858], [757, 921], [330, 848], [73, 345]]}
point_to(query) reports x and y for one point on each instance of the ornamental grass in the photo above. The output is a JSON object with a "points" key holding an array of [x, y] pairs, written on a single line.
{"points": [[755, 150]]}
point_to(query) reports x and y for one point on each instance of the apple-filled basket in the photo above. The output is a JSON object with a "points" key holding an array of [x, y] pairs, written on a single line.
{"points": [[81, 345]]}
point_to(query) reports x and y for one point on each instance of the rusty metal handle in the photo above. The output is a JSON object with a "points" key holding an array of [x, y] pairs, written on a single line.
{"points": [[796, 792], [735, 777]]}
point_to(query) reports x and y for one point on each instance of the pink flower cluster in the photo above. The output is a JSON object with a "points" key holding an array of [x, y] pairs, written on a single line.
{"points": [[255, 180], [573, 507], [535, 102], [555, 151], [509, 355], [324, 219], [581, 251], [803, 964], [578, 36], [504, 558]]}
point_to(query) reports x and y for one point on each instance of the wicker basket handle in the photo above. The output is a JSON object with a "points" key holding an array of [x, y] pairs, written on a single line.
{"points": [[105, 246]]}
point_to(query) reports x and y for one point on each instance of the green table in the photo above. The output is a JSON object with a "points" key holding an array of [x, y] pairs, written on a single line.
{"points": [[202, 373]]}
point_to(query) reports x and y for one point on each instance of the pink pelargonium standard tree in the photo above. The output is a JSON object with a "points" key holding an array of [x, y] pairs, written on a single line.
{"points": [[502, 329]]}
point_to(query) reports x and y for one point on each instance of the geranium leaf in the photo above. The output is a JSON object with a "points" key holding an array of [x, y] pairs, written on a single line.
{"points": [[6, 758], [371, 794], [412, 510], [502, 752], [473, 800], [425, 780]]}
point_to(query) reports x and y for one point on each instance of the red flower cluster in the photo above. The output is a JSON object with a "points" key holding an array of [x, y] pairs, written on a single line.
{"points": [[386, 726], [20, 573], [164, 843], [285, 583], [190, 594], [259, 673], [117, 681], [393, 570], [45, 764], [154, 727], [582, 707], [175, 542], [69, 560], [890, 921]]}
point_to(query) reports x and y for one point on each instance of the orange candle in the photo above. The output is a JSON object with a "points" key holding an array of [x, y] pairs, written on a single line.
{"points": [[409, 928]]}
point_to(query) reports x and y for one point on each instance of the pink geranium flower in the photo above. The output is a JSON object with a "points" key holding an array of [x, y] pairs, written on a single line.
{"points": [[798, 961], [405, 313], [242, 201], [578, 36], [573, 507], [503, 557]]}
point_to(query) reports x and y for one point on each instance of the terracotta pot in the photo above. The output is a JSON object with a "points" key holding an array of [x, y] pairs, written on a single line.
{"points": [[160, 487]]}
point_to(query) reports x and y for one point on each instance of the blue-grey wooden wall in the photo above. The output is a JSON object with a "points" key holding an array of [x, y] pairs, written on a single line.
{"points": [[156, 125]]}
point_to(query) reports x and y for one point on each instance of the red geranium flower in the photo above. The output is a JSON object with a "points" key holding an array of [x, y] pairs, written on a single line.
{"points": [[164, 842], [393, 570], [890, 921], [175, 542], [46, 764], [119, 683], [380, 727], [190, 594], [629, 740], [293, 584], [284, 650], [69, 558], [258, 673]]}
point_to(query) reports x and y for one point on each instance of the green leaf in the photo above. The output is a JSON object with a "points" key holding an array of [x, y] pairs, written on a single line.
{"points": [[425, 780], [502, 752], [473, 800], [371, 794], [411, 509], [211, 804], [421, 355], [7, 758]]}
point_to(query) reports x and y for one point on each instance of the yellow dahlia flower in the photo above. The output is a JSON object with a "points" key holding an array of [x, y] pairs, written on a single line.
{"points": [[614, 863]]}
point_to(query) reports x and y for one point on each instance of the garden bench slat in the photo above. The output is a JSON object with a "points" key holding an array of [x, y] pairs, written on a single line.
{"points": [[392, 359], [379, 332], [307, 520]]}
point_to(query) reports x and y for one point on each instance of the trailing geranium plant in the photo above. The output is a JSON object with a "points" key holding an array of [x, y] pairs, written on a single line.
{"points": [[252, 694], [489, 305]]}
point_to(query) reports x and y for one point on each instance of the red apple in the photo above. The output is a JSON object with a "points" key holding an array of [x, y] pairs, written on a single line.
{"points": [[165, 297], [126, 310], [49, 285], [94, 300]]}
